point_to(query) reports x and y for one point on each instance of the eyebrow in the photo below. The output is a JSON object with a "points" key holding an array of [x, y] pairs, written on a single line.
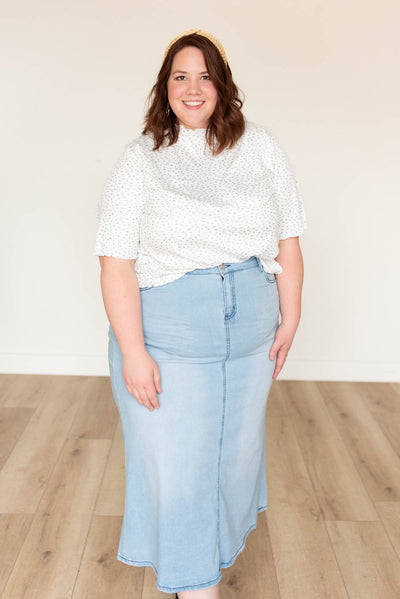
{"points": [[185, 72]]}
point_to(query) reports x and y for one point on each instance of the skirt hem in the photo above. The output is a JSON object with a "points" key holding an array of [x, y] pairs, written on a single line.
{"points": [[200, 585]]}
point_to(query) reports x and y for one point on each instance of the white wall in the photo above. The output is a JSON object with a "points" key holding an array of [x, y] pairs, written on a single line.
{"points": [[322, 75]]}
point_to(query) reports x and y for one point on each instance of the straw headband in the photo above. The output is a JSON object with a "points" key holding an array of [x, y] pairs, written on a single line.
{"points": [[204, 34]]}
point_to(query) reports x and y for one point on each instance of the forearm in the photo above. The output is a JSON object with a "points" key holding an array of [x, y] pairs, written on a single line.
{"points": [[290, 281], [121, 297]]}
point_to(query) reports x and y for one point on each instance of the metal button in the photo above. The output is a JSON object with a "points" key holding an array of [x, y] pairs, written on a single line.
{"points": [[222, 266]]}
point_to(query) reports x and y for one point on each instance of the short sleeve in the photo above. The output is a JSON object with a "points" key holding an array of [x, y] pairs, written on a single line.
{"points": [[291, 213], [120, 206]]}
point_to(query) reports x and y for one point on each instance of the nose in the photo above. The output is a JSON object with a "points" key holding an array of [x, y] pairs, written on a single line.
{"points": [[193, 87]]}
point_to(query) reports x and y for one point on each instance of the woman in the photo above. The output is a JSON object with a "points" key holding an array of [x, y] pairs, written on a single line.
{"points": [[190, 222]]}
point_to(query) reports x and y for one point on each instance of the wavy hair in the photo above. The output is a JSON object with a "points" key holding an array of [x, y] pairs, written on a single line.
{"points": [[226, 124]]}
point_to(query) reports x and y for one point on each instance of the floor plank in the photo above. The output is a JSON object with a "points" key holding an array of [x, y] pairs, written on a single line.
{"points": [[302, 552], [111, 498], [48, 563], [12, 424], [373, 455], [101, 575], [337, 484], [97, 416], [29, 466], [13, 531], [366, 558]]}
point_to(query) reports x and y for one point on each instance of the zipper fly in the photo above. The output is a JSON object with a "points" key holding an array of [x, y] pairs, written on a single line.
{"points": [[229, 295]]}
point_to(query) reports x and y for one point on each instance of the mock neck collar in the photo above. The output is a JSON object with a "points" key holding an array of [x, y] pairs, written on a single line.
{"points": [[185, 131]]}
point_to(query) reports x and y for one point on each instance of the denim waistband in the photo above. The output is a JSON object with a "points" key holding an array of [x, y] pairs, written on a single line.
{"points": [[226, 267]]}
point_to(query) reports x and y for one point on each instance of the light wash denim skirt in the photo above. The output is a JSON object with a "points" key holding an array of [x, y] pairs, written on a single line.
{"points": [[195, 470]]}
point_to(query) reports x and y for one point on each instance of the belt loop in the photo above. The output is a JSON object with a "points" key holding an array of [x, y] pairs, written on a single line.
{"points": [[260, 267]]}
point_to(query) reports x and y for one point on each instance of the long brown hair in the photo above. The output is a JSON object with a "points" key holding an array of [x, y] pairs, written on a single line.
{"points": [[226, 124]]}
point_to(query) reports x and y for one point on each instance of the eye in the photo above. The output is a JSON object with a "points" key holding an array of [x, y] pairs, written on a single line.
{"points": [[181, 77]]}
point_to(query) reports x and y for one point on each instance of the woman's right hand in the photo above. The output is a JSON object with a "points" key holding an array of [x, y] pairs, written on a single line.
{"points": [[141, 376]]}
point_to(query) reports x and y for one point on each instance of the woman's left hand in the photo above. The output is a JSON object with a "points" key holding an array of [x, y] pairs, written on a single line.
{"points": [[283, 340]]}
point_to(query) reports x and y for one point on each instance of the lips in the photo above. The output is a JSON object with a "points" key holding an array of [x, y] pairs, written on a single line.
{"points": [[193, 104]]}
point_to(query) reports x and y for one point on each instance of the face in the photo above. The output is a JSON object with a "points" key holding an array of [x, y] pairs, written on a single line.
{"points": [[191, 93]]}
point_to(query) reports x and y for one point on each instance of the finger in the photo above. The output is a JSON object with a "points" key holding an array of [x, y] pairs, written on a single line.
{"points": [[148, 405], [141, 397], [157, 380], [155, 403], [279, 363], [148, 399], [272, 352], [151, 394], [276, 372], [280, 360], [132, 390]]}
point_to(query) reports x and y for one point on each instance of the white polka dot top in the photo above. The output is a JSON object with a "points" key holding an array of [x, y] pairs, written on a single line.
{"points": [[181, 208]]}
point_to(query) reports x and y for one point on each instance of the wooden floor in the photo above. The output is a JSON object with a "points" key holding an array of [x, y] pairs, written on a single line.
{"points": [[331, 530]]}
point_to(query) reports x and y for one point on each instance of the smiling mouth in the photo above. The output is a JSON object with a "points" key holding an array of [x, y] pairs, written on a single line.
{"points": [[193, 103]]}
